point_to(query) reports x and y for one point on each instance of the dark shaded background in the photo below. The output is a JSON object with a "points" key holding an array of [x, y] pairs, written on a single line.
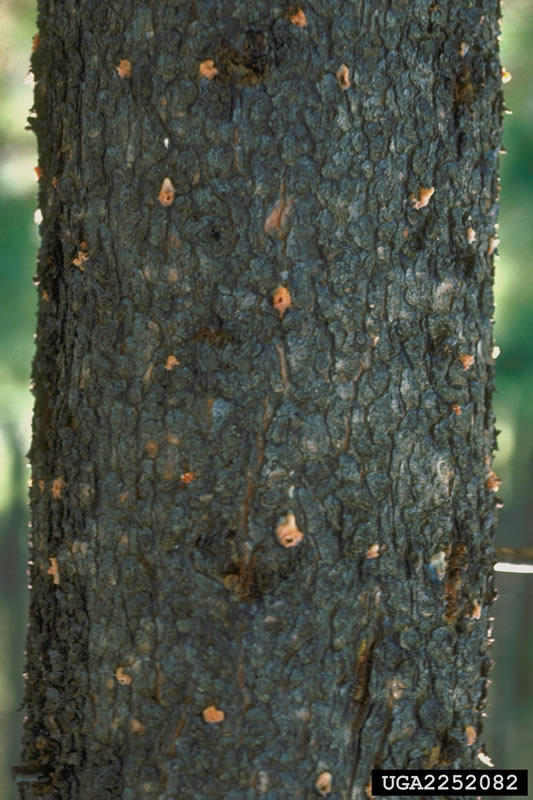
{"points": [[509, 731]]}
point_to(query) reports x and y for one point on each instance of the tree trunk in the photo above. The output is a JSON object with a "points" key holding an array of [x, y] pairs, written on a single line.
{"points": [[262, 497]]}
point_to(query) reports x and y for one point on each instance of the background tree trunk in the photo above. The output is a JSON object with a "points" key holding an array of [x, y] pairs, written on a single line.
{"points": [[286, 343]]}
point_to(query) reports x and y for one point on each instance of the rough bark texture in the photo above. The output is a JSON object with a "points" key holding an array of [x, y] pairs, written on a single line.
{"points": [[294, 337]]}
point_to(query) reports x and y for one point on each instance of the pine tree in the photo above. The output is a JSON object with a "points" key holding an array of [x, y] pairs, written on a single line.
{"points": [[262, 495]]}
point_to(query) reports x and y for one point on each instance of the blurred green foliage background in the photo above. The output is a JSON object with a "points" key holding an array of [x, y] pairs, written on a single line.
{"points": [[508, 736]]}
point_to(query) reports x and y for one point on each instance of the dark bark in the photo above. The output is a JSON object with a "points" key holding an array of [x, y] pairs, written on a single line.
{"points": [[291, 337]]}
